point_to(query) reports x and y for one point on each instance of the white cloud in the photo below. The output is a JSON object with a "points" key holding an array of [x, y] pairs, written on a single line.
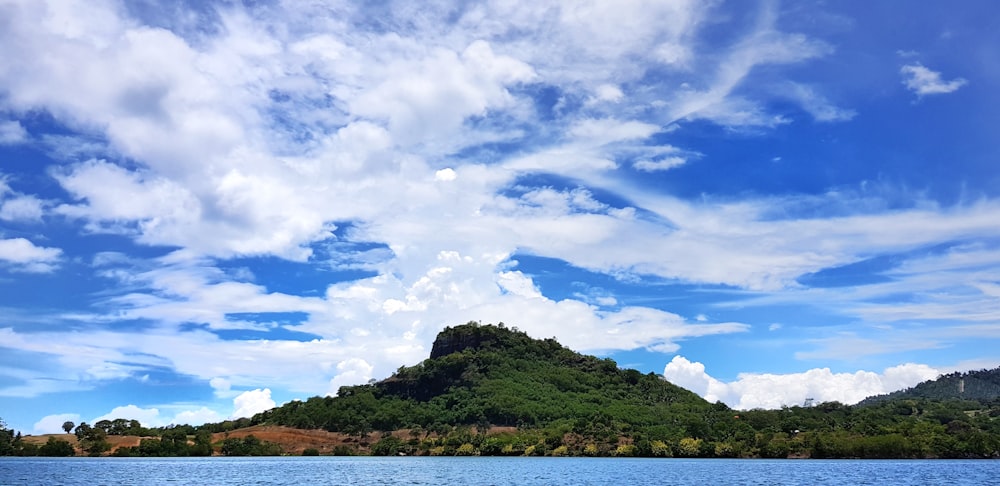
{"points": [[22, 208], [53, 424], [447, 174], [148, 417], [596, 132], [252, 402], [221, 386], [924, 81], [11, 132], [666, 163], [254, 137], [430, 97], [202, 415], [764, 46], [27, 257], [352, 371], [769, 391], [816, 104], [607, 93]]}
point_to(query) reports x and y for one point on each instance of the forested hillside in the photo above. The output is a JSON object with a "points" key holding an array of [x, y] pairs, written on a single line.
{"points": [[492, 390], [561, 402], [970, 385], [490, 375]]}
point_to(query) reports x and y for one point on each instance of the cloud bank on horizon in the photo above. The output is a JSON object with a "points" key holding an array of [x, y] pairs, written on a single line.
{"points": [[207, 208]]}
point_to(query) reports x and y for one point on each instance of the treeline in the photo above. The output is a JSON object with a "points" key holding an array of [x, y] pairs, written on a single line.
{"points": [[173, 441], [500, 377], [969, 385], [564, 403], [905, 429], [490, 390]]}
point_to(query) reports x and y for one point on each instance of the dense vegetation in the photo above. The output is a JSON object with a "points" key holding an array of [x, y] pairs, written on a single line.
{"points": [[559, 402], [490, 390], [490, 375], [971, 385]]}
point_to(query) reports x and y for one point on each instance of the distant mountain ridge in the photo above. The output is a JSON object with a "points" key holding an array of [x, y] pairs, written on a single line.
{"points": [[980, 385]]}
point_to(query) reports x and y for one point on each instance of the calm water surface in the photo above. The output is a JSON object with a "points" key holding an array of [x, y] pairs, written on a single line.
{"points": [[487, 470]]}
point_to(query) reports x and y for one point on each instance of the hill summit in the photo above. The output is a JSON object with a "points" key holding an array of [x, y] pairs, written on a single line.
{"points": [[493, 390], [486, 375], [981, 385]]}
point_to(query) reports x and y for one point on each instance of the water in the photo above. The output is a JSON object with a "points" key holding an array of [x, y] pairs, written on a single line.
{"points": [[487, 471]]}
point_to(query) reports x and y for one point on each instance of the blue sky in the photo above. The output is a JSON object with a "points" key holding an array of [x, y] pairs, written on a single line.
{"points": [[210, 208]]}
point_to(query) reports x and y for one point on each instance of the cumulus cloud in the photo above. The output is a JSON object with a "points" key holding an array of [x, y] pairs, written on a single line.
{"points": [[924, 81], [765, 390], [261, 135], [202, 415], [148, 417], [53, 424], [18, 207], [22, 208], [350, 372], [252, 402], [25, 256], [445, 175]]}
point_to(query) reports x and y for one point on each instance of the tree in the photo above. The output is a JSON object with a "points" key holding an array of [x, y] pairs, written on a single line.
{"points": [[68, 426], [389, 445], [92, 439], [689, 447], [6, 440], [56, 448]]}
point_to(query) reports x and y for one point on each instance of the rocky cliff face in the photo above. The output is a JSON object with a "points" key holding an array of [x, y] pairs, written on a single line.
{"points": [[457, 339]]}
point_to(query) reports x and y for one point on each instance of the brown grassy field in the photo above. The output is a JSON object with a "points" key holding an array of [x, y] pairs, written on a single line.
{"points": [[116, 441]]}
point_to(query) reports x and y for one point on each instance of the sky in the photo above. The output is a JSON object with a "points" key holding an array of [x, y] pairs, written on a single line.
{"points": [[211, 208]]}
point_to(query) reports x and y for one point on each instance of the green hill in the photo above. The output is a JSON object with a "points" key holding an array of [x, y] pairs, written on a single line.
{"points": [[485, 375], [981, 385], [493, 390]]}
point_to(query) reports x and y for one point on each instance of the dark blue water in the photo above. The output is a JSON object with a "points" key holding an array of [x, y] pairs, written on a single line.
{"points": [[487, 470]]}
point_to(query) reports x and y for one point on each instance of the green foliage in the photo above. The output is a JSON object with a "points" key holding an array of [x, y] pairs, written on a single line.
{"points": [[92, 440], [554, 401], [626, 450], [490, 375], [56, 448], [7, 446], [689, 447], [466, 449], [310, 452], [249, 446], [559, 400], [389, 445], [173, 442], [971, 385], [658, 448]]}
